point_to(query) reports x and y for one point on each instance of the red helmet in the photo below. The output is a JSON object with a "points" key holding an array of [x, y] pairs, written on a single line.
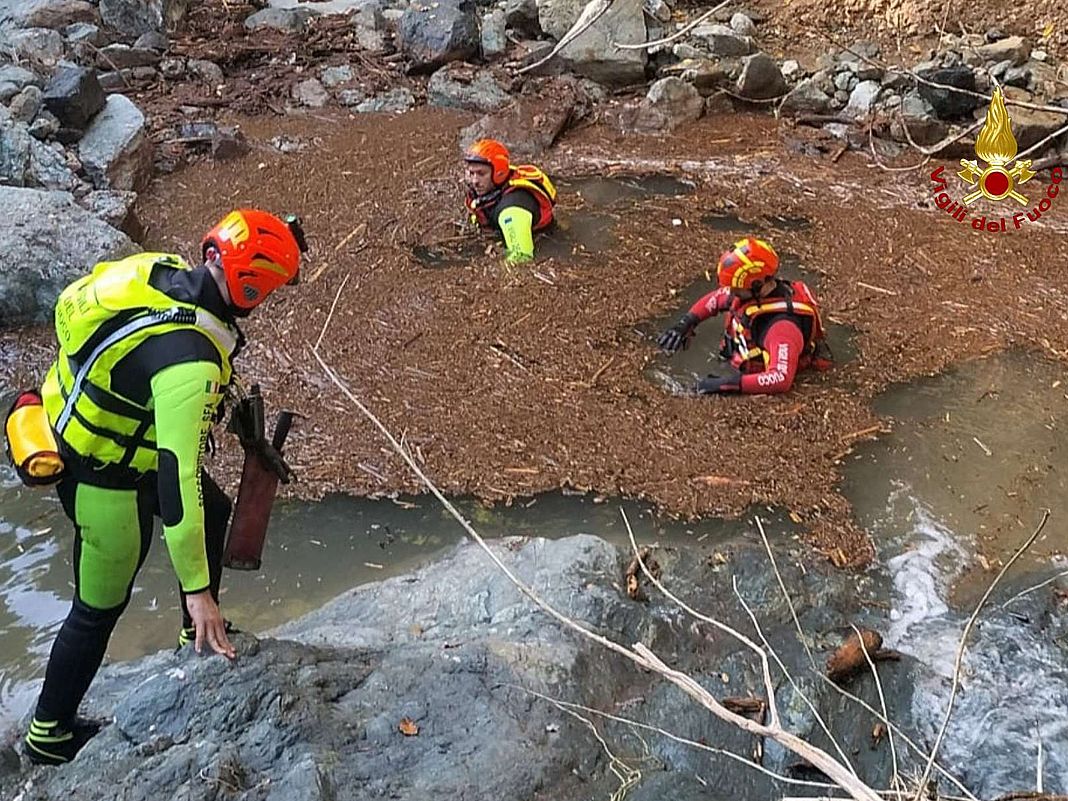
{"points": [[493, 153], [751, 261], [259, 253]]}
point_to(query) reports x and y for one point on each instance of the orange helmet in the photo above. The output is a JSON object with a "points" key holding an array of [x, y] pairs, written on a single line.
{"points": [[258, 252], [493, 153], [751, 261]]}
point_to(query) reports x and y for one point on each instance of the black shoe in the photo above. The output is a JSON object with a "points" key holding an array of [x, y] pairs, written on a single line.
{"points": [[49, 743]]}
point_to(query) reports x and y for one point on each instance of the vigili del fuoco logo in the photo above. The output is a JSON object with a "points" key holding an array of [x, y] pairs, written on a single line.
{"points": [[1002, 179]]}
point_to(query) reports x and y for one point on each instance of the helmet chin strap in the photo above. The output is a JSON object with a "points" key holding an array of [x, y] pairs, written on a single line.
{"points": [[213, 261]]}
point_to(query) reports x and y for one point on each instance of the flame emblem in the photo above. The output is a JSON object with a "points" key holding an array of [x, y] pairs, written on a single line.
{"points": [[997, 147]]}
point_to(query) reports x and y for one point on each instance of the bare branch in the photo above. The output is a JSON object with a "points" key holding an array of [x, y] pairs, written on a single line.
{"points": [[785, 594], [684, 741], [677, 35], [895, 779], [628, 776], [1039, 145], [1038, 586], [769, 685], [593, 11], [963, 641]]}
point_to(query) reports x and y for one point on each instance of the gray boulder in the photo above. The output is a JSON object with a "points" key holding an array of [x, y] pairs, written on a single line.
{"points": [[127, 78], [924, 127], [947, 103], [116, 209], [289, 20], [462, 86], [395, 101], [47, 241], [719, 40], [26, 104], [494, 36], [115, 150], [336, 76], [55, 14], [594, 54], [522, 17], [41, 46], [134, 17], [310, 92], [862, 99], [13, 79], [806, 98], [761, 78], [432, 34], [120, 56], [27, 161], [743, 25], [153, 40], [1013, 48], [670, 102], [45, 125], [207, 71], [420, 686], [78, 32]]}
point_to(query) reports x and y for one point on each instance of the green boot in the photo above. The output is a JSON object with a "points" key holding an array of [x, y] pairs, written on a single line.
{"points": [[49, 743]]}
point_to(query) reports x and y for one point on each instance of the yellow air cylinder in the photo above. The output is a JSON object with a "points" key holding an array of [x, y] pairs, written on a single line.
{"points": [[31, 445]]}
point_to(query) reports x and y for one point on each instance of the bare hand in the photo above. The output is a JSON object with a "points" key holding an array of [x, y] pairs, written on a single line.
{"points": [[209, 624]]}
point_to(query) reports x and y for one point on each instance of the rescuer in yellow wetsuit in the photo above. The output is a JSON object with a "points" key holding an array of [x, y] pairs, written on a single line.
{"points": [[145, 355], [515, 201]]}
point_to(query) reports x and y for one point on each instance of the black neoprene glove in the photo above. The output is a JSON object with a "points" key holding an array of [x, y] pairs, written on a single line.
{"points": [[680, 334]]}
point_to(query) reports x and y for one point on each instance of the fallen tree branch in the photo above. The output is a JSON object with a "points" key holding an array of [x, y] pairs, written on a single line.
{"points": [[817, 757], [1038, 586], [762, 654], [594, 9], [895, 780], [960, 649]]}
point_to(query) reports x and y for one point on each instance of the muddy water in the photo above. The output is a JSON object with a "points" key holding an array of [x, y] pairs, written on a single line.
{"points": [[974, 457], [985, 448], [313, 553]]}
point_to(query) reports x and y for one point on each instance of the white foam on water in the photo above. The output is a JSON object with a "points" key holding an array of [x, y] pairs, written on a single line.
{"points": [[1014, 685]]}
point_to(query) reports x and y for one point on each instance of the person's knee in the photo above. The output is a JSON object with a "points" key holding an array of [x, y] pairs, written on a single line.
{"points": [[87, 618]]}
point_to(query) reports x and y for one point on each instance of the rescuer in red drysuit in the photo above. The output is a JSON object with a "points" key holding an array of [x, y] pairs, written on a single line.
{"points": [[772, 327]]}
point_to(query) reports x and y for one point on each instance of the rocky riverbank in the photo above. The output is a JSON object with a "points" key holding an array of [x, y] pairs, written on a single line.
{"points": [[423, 685]]}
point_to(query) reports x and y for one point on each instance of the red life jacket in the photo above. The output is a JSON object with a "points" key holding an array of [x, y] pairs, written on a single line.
{"points": [[747, 321], [524, 176]]}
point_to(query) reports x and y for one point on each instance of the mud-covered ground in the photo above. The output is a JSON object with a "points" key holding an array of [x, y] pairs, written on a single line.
{"points": [[507, 382]]}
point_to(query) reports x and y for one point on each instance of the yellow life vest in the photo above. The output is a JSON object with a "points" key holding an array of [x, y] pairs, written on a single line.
{"points": [[100, 319]]}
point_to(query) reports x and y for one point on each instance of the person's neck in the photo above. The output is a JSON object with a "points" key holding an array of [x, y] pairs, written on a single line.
{"points": [[220, 281]]}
